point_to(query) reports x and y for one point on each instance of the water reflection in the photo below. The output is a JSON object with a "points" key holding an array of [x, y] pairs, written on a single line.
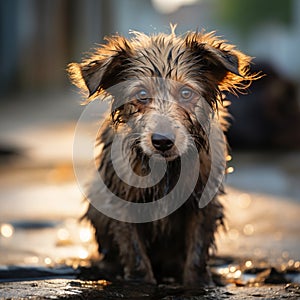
{"points": [[67, 242], [71, 243]]}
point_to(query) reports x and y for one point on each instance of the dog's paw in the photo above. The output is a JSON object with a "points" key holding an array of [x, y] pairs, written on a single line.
{"points": [[139, 275], [196, 278]]}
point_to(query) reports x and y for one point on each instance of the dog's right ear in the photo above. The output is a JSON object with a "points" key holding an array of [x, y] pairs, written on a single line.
{"points": [[103, 69]]}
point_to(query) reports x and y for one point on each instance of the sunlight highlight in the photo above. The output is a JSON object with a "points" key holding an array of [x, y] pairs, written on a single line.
{"points": [[83, 253], [228, 157], [31, 260], [47, 261], [7, 230], [63, 234], [170, 6], [85, 235], [248, 263], [230, 170]]}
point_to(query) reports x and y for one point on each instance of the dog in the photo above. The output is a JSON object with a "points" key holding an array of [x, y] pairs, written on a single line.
{"points": [[164, 90]]}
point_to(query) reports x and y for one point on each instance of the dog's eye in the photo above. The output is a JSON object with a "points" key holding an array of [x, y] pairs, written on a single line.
{"points": [[143, 96], [186, 94]]}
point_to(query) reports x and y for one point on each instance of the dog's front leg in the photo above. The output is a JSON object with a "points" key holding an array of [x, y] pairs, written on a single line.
{"points": [[199, 237], [132, 251]]}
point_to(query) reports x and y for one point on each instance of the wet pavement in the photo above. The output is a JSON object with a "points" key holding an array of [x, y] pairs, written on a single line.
{"points": [[46, 253], [77, 289]]}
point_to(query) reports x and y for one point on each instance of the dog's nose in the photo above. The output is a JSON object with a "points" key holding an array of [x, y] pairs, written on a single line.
{"points": [[163, 142]]}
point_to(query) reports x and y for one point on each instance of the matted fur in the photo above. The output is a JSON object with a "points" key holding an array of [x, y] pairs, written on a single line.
{"points": [[177, 245]]}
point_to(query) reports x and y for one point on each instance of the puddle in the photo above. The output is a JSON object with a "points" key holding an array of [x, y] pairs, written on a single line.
{"points": [[45, 252]]}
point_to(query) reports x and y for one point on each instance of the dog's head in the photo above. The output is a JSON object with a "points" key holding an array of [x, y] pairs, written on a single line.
{"points": [[163, 87]]}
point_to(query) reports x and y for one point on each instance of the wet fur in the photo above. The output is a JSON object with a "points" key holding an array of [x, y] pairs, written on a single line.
{"points": [[178, 245]]}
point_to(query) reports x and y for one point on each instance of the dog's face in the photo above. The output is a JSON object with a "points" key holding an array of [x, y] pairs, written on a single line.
{"points": [[161, 112], [164, 88]]}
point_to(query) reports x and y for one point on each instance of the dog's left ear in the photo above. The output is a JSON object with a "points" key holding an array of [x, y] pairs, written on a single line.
{"points": [[224, 64], [103, 69], [222, 61]]}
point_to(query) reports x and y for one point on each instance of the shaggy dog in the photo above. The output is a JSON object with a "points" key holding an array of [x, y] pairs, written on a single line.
{"points": [[165, 90]]}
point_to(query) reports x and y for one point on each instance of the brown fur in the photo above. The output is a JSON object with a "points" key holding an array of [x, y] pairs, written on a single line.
{"points": [[177, 245]]}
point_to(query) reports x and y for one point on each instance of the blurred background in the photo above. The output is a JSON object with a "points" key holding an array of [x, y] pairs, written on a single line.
{"points": [[39, 198]]}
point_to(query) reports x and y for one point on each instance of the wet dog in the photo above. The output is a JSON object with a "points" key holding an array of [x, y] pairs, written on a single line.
{"points": [[165, 93]]}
